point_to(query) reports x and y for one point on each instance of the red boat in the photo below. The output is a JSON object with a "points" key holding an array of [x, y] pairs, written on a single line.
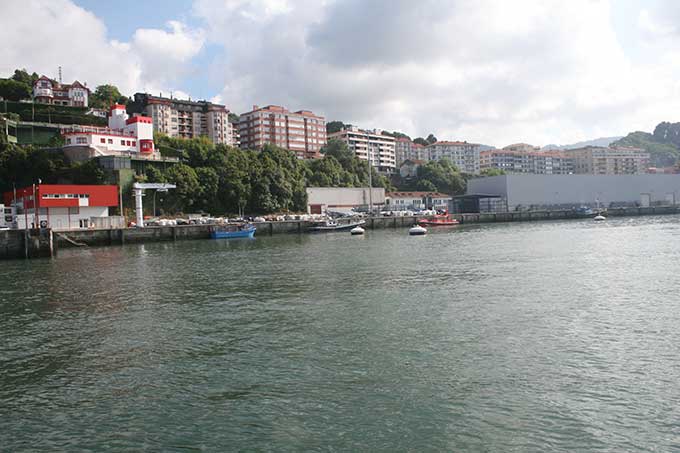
{"points": [[439, 220]]}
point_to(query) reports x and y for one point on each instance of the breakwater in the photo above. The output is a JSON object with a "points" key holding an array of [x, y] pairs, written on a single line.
{"points": [[45, 243]]}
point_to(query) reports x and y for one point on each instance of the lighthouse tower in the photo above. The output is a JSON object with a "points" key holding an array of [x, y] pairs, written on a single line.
{"points": [[117, 117]]}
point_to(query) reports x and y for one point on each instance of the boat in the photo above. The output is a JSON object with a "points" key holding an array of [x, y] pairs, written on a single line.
{"points": [[417, 230], [439, 220], [599, 218], [332, 225], [231, 231], [357, 230]]}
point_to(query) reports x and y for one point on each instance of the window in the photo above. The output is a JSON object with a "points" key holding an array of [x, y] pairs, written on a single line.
{"points": [[111, 141], [102, 140], [68, 141], [128, 143], [122, 142], [81, 140], [134, 143], [74, 210]]}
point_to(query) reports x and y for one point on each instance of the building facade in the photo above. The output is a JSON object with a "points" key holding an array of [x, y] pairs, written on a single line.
{"points": [[405, 150], [596, 160], [124, 136], [402, 201], [409, 168], [48, 91], [61, 207], [464, 155], [321, 200], [187, 119], [541, 163], [301, 132], [370, 145]]}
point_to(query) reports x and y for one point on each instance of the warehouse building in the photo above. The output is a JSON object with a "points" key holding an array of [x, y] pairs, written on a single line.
{"points": [[322, 200], [534, 192]]}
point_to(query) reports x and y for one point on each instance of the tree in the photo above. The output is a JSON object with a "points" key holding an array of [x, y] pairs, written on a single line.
{"points": [[12, 90], [420, 141], [431, 139], [492, 172], [334, 126], [233, 118], [105, 96], [21, 75], [185, 195]]}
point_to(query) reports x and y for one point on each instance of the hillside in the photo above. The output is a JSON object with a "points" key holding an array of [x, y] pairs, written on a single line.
{"points": [[662, 145], [602, 141]]}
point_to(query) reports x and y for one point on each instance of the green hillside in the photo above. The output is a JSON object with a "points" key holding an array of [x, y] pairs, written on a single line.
{"points": [[661, 145]]}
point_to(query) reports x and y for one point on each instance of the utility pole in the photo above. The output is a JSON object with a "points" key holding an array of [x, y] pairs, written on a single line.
{"points": [[370, 176]]}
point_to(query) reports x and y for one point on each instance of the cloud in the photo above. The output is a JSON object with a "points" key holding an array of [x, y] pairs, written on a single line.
{"points": [[75, 39], [489, 71]]}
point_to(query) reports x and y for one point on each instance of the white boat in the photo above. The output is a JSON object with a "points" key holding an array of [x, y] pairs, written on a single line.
{"points": [[599, 218], [357, 230], [417, 230], [332, 225]]}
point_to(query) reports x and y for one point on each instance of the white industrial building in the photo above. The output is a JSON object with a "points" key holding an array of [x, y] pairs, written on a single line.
{"points": [[321, 200], [517, 192]]}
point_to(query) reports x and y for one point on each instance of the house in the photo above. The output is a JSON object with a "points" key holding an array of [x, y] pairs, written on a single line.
{"points": [[48, 91], [409, 168], [401, 201]]}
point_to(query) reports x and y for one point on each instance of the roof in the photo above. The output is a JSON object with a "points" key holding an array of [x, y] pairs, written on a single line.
{"points": [[475, 196], [443, 142], [416, 195]]}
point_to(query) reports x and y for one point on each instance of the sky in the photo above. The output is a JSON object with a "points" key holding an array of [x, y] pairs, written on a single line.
{"points": [[488, 71]]}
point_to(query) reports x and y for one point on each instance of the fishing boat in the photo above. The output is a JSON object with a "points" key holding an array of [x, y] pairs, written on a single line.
{"points": [[439, 220], [232, 231], [332, 225], [417, 230]]}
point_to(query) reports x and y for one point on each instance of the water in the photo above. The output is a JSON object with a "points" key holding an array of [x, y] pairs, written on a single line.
{"points": [[557, 336]]}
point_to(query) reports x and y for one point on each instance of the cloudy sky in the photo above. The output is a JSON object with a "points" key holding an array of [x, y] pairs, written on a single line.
{"points": [[489, 71]]}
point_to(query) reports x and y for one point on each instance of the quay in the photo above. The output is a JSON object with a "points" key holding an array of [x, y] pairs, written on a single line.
{"points": [[40, 243]]}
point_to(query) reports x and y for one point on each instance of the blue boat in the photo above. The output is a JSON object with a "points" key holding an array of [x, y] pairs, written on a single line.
{"points": [[232, 231]]}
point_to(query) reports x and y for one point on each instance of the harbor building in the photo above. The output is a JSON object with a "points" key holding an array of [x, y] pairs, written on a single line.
{"points": [[370, 145], [322, 200], [537, 192], [402, 201], [124, 136], [405, 149], [465, 156], [301, 132], [186, 119], [58, 206], [48, 91]]}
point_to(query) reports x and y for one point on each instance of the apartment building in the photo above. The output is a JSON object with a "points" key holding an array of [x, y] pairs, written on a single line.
{"points": [[187, 119], [596, 160], [48, 91], [370, 145], [542, 163], [302, 132], [405, 150], [464, 155]]}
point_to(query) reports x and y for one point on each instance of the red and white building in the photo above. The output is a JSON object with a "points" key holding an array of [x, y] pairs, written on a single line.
{"points": [[59, 206], [131, 137], [48, 91]]}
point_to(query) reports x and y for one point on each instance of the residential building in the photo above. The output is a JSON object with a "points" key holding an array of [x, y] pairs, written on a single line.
{"points": [[527, 192], [402, 201], [370, 145], [60, 207], [409, 168], [544, 163], [321, 200], [123, 137], [301, 132], [48, 91], [405, 149], [187, 119], [596, 160], [464, 155]]}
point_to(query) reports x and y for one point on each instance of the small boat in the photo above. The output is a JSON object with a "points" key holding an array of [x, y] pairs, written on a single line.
{"points": [[357, 230], [439, 220], [332, 225], [417, 230], [599, 218], [232, 231]]}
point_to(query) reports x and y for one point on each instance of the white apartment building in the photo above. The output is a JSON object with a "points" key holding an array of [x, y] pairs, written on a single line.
{"points": [[464, 155], [48, 91], [301, 132], [187, 119], [370, 145], [405, 150]]}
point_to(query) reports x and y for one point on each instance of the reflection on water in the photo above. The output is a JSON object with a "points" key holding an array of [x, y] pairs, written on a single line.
{"points": [[527, 336]]}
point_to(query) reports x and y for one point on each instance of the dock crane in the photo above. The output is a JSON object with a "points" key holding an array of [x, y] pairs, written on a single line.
{"points": [[139, 188]]}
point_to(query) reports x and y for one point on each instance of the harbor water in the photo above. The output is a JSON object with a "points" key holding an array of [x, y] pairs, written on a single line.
{"points": [[546, 336]]}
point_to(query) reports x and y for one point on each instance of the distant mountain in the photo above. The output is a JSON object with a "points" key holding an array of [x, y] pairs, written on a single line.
{"points": [[602, 141]]}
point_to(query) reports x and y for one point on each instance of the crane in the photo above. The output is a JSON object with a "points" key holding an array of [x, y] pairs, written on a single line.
{"points": [[139, 188]]}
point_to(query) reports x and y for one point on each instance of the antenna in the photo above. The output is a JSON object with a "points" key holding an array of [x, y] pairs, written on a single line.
{"points": [[60, 75]]}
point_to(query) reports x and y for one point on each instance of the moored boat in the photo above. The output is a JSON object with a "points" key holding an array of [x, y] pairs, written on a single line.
{"points": [[232, 231], [417, 230], [332, 225], [356, 231], [439, 220]]}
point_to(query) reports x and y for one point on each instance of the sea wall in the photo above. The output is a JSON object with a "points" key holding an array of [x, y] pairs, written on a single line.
{"points": [[33, 243]]}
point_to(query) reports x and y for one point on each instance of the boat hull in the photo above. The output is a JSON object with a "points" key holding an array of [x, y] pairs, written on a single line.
{"points": [[438, 223], [249, 233], [344, 227]]}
